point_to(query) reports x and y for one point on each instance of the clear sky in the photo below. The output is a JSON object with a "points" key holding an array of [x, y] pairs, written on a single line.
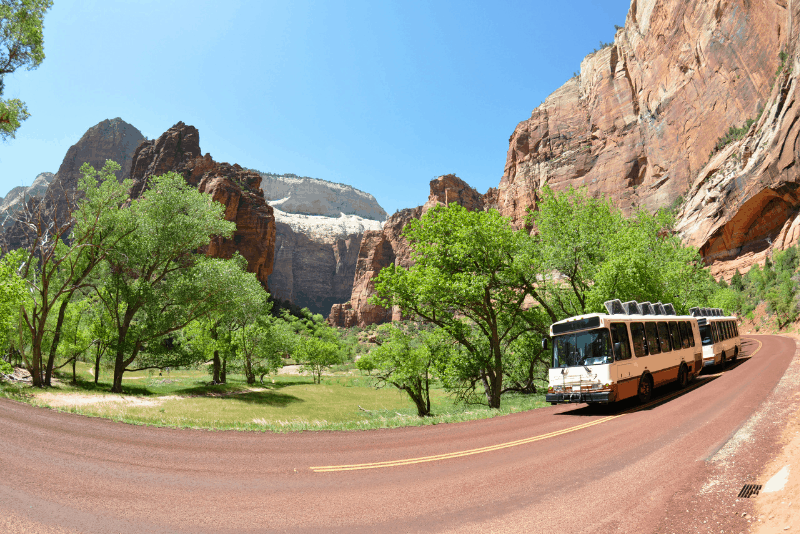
{"points": [[380, 95]]}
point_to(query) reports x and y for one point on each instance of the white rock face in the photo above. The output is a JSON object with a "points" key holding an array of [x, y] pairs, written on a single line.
{"points": [[321, 229], [17, 197], [312, 196]]}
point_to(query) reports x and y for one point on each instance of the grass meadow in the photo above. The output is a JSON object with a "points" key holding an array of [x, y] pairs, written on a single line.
{"points": [[345, 400]]}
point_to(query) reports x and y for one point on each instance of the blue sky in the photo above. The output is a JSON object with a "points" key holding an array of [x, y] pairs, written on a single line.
{"points": [[383, 96]]}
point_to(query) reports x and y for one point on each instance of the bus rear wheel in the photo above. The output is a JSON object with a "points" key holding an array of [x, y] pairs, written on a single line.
{"points": [[683, 377], [735, 354], [645, 389], [723, 362]]}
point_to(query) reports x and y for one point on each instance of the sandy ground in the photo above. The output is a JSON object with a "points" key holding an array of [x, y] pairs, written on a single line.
{"points": [[779, 510], [61, 400]]}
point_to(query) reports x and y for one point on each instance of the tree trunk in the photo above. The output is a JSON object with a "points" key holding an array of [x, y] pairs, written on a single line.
{"points": [[56, 338], [97, 364], [119, 369], [223, 374], [248, 370], [74, 378], [217, 365]]}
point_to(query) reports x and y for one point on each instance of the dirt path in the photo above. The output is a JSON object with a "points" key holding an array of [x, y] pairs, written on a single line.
{"points": [[565, 468]]}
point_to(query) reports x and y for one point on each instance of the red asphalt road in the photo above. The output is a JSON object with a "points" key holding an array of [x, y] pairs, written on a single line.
{"points": [[67, 473]]}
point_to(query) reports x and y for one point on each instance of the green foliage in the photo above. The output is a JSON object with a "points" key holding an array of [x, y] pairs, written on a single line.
{"points": [[469, 277], [733, 134], [21, 45], [5, 368], [316, 355], [12, 294], [407, 360]]}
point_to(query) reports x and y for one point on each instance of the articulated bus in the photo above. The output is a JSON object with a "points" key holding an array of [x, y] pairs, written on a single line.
{"points": [[720, 335], [604, 358]]}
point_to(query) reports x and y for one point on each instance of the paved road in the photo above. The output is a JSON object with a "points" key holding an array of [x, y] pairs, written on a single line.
{"points": [[564, 468]]}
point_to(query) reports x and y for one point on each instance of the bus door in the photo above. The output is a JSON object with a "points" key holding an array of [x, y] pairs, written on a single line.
{"points": [[625, 375]]}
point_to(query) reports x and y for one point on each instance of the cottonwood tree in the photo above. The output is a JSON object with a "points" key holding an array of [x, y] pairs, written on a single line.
{"points": [[317, 354], [21, 45], [260, 345], [155, 281], [54, 270], [407, 359], [468, 278]]}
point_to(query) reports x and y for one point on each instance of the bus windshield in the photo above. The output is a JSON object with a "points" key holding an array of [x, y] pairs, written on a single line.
{"points": [[592, 347], [705, 334]]}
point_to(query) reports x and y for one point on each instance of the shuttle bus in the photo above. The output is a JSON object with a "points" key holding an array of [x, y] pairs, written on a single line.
{"points": [[604, 358], [720, 336]]}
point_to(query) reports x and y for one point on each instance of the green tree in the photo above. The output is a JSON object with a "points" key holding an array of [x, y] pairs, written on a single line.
{"points": [[155, 282], [316, 355], [12, 294], [260, 340], [54, 270], [470, 278], [21, 45], [407, 360]]}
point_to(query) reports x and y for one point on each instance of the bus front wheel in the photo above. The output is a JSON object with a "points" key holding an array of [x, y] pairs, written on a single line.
{"points": [[645, 389]]}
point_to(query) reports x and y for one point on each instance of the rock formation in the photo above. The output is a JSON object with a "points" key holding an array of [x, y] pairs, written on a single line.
{"points": [[178, 150], [112, 139], [380, 249], [19, 196], [745, 203], [312, 196], [644, 114], [315, 258], [319, 227]]}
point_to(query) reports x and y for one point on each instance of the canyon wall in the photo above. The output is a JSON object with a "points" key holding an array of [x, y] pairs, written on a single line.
{"points": [[319, 228], [745, 203], [19, 197], [178, 150], [112, 139], [641, 119], [386, 247]]}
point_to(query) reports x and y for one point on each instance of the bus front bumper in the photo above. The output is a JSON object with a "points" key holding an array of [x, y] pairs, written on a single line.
{"points": [[584, 396]]}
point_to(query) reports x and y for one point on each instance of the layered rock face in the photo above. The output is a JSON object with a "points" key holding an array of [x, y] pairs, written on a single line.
{"points": [[19, 196], [319, 228], [112, 139], [640, 121], [178, 150], [312, 196], [745, 203], [380, 249]]}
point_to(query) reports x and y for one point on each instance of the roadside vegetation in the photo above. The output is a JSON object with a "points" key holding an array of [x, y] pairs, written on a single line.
{"points": [[114, 313]]}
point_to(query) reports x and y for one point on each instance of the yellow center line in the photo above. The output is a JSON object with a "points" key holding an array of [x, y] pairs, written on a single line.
{"points": [[409, 461], [490, 448]]}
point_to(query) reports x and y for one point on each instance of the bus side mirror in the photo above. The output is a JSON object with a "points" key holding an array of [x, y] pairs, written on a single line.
{"points": [[544, 344], [617, 347]]}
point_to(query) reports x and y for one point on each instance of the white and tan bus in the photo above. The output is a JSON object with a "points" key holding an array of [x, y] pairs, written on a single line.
{"points": [[604, 358], [720, 336]]}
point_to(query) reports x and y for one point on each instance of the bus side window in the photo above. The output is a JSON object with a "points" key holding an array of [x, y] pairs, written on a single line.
{"points": [[728, 329], [724, 326], [736, 329], [663, 336], [684, 335], [619, 334], [690, 331], [639, 342], [714, 333], [675, 335], [652, 338]]}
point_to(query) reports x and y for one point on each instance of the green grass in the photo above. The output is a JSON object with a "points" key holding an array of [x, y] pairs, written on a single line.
{"points": [[343, 401]]}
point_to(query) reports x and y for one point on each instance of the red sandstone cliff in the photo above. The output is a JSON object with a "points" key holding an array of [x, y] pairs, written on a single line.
{"points": [[745, 202], [178, 150], [641, 119], [387, 247]]}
